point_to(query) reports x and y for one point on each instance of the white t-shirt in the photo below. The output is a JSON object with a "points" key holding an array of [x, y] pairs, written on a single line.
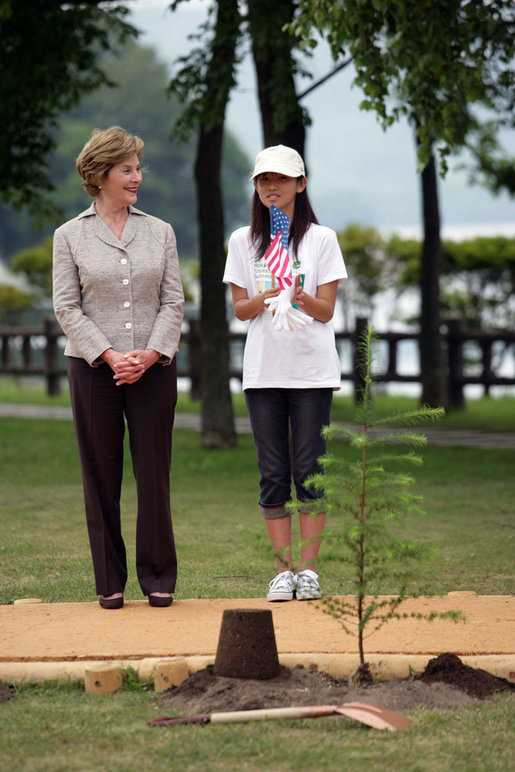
{"points": [[298, 359]]}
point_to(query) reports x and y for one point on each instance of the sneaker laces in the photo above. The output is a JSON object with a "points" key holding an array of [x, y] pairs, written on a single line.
{"points": [[283, 581], [308, 576], [307, 582]]}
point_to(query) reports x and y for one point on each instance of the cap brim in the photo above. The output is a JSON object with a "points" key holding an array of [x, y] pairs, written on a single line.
{"points": [[277, 169]]}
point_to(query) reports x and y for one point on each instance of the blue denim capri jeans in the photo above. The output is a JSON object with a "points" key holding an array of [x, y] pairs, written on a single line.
{"points": [[272, 412]]}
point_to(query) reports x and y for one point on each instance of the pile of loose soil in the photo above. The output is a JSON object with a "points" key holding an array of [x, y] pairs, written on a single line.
{"points": [[449, 669], [445, 683]]}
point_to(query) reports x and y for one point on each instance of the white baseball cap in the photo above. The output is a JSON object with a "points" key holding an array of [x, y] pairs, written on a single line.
{"points": [[279, 159]]}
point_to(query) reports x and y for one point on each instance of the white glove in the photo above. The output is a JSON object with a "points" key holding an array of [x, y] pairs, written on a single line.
{"points": [[281, 302], [285, 316], [291, 320]]}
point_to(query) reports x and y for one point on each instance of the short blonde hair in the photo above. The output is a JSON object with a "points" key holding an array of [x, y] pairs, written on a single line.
{"points": [[104, 149]]}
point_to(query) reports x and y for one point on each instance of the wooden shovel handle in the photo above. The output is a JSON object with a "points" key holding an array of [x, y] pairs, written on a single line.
{"points": [[310, 711]]}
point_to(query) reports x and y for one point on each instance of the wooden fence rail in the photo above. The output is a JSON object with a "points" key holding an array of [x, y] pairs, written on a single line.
{"points": [[38, 351]]}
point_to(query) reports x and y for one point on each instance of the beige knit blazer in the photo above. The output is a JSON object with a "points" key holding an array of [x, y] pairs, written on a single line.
{"points": [[115, 293]]}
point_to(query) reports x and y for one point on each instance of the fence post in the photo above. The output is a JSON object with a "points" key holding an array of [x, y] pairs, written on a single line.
{"points": [[52, 332], [6, 354], [194, 357], [486, 357], [455, 364], [391, 371], [359, 383], [26, 351]]}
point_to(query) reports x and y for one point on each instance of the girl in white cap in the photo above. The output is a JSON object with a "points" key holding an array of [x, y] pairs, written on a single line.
{"points": [[290, 364]]}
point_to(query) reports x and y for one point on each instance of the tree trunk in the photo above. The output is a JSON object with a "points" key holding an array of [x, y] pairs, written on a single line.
{"points": [[431, 354], [217, 413], [283, 120]]}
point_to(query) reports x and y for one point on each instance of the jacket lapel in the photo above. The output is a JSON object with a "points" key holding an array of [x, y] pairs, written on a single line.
{"points": [[106, 235], [129, 230]]}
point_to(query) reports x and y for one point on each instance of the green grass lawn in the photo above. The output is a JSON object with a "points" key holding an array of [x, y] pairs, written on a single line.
{"points": [[469, 500], [61, 729]]}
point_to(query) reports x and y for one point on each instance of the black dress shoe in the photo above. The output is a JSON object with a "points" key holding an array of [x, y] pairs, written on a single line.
{"points": [[111, 602], [160, 602]]}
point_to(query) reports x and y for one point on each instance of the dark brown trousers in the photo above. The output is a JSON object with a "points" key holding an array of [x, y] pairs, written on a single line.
{"points": [[100, 411]]}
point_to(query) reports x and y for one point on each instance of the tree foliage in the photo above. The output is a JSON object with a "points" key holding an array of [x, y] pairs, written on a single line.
{"points": [[479, 273], [431, 62], [12, 299], [35, 265], [49, 58], [489, 164], [369, 267]]}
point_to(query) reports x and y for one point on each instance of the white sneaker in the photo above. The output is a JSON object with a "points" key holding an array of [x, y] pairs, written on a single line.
{"points": [[282, 587], [307, 586]]}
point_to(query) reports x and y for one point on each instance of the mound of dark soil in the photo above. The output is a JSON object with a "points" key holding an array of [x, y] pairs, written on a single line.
{"points": [[449, 669], [445, 683]]}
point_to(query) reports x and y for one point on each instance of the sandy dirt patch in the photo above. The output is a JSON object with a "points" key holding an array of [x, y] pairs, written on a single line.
{"points": [[84, 631]]}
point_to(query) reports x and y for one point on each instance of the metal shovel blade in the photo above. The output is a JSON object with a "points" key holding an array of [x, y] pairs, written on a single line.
{"points": [[374, 716]]}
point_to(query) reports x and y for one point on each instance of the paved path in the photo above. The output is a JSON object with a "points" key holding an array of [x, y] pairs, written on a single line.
{"points": [[467, 437]]}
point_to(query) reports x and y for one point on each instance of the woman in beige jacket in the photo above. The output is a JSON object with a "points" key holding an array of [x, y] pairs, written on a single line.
{"points": [[118, 298]]}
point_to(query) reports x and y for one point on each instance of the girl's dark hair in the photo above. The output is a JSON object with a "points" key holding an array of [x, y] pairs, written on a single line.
{"points": [[303, 216]]}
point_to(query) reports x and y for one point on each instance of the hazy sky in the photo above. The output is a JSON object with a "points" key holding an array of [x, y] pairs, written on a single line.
{"points": [[357, 172]]}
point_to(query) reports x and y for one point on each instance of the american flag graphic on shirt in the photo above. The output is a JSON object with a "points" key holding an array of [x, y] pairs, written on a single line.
{"points": [[277, 257]]}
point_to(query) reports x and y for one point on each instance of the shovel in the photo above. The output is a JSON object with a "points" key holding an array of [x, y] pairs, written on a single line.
{"points": [[371, 715]]}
